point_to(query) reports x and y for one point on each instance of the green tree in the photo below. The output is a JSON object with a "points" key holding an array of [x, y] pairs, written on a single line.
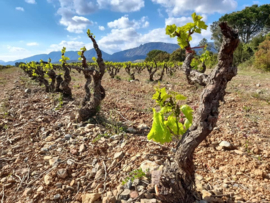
{"points": [[241, 54], [204, 42], [249, 22], [262, 56], [178, 55], [255, 42], [152, 54], [17, 64], [246, 52], [162, 57], [216, 34]]}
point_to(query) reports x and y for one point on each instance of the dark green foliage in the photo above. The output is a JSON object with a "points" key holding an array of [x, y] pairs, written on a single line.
{"points": [[152, 54], [212, 61], [216, 35], [162, 57], [178, 55], [18, 63], [262, 56], [246, 52], [250, 21], [255, 42]]}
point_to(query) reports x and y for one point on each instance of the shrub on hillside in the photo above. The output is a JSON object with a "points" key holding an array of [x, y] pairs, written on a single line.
{"points": [[262, 56]]}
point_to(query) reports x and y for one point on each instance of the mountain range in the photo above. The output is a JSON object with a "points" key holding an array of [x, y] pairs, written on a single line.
{"points": [[121, 56]]}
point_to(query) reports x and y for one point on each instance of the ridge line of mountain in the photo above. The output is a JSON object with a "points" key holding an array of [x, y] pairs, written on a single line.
{"points": [[136, 53]]}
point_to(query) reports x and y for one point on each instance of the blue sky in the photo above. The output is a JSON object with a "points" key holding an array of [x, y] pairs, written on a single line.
{"points": [[31, 27]]}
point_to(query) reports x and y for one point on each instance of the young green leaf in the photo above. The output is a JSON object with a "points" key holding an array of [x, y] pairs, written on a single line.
{"points": [[187, 111], [159, 132]]}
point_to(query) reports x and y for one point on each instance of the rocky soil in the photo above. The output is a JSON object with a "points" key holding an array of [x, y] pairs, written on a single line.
{"points": [[46, 156]]}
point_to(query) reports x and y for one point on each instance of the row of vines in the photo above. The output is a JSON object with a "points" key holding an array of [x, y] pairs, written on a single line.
{"points": [[172, 119]]}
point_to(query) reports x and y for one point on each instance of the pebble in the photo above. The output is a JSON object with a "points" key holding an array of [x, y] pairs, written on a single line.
{"points": [[143, 127], [90, 126], [53, 160], [205, 194], [225, 185], [62, 173], [67, 136], [47, 179], [134, 194], [226, 145], [27, 90], [148, 200], [149, 165], [118, 155], [27, 191], [58, 185], [56, 197], [40, 189], [125, 194], [131, 130], [82, 148], [91, 197]]}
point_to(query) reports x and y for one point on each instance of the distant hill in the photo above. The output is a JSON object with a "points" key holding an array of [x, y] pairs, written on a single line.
{"points": [[141, 51], [56, 56], [138, 53], [2, 62]]}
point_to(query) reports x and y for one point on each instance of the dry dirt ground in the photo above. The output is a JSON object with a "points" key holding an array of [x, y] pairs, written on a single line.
{"points": [[47, 157]]}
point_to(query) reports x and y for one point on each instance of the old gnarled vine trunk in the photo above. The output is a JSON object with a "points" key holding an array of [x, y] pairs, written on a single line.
{"points": [[90, 108], [179, 178], [66, 90], [52, 75]]}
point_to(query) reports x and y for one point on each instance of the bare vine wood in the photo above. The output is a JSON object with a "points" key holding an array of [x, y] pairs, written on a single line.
{"points": [[179, 179], [90, 108], [65, 83]]}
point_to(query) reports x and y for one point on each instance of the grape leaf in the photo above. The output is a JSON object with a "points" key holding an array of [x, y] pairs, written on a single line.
{"points": [[187, 111], [159, 132]]}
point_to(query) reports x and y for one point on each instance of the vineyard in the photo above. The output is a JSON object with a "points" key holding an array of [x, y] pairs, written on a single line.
{"points": [[136, 132]]}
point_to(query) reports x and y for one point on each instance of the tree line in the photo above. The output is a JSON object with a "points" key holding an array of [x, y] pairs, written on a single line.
{"points": [[253, 25]]}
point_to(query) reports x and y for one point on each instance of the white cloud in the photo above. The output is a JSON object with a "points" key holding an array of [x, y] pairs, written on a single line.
{"points": [[30, 1], [146, 24], [121, 5], [124, 22], [71, 11], [178, 21], [159, 13], [157, 35], [15, 49], [177, 7], [181, 21], [19, 8], [75, 24], [121, 23], [73, 38], [126, 38], [121, 39], [101, 28], [83, 7], [70, 46], [196, 38], [32, 44]]}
